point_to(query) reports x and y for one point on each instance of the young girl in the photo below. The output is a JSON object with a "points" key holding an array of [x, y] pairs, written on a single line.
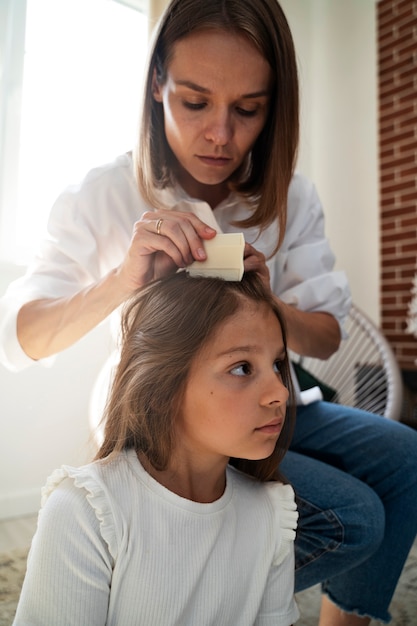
{"points": [[216, 152], [161, 529]]}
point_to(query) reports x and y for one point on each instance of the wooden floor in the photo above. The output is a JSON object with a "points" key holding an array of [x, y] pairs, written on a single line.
{"points": [[16, 533]]}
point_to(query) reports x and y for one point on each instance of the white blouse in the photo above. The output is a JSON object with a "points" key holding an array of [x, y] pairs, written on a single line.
{"points": [[90, 228]]}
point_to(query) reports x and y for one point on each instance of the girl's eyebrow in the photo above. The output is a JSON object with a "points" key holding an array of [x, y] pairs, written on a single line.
{"points": [[232, 350], [204, 90], [248, 349]]}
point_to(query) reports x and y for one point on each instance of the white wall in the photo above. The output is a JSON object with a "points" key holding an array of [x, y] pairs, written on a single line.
{"points": [[44, 412], [44, 417], [336, 45]]}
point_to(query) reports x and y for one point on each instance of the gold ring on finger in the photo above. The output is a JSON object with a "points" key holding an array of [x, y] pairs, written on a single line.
{"points": [[158, 226]]}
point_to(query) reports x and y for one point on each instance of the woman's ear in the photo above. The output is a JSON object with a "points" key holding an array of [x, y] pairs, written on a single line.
{"points": [[156, 88]]}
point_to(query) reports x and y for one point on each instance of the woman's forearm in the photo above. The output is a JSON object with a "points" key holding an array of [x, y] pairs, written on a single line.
{"points": [[48, 326], [315, 334]]}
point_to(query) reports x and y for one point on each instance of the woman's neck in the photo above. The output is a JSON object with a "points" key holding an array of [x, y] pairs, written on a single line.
{"points": [[212, 194]]}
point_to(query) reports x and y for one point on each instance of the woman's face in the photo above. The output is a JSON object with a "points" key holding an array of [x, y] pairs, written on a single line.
{"points": [[215, 100], [235, 400]]}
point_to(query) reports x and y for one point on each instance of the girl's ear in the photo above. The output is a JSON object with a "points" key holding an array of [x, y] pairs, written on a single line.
{"points": [[156, 88]]}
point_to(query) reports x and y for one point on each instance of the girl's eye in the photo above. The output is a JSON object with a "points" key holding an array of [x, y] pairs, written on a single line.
{"points": [[278, 366], [241, 370]]}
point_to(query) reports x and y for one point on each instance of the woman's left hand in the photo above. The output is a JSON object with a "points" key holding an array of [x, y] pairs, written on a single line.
{"points": [[254, 261]]}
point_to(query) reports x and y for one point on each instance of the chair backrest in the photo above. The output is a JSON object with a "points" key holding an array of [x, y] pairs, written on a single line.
{"points": [[363, 372]]}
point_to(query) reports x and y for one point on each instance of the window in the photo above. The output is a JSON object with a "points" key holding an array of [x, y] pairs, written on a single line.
{"points": [[71, 105]]}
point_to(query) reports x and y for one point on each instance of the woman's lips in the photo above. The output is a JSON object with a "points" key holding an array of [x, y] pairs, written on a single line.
{"points": [[214, 161]]}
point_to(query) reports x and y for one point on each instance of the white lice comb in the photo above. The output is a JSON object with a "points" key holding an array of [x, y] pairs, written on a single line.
{"points": [[224, 257]]}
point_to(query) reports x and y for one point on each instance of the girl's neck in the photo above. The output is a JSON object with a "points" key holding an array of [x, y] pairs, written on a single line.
{"points": [[191, 483]]}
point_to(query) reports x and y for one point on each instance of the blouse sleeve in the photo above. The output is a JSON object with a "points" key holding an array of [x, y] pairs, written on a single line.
{"points": [[278, 606], [70, 562], [283, 502], [302, 271], [88, 233]]}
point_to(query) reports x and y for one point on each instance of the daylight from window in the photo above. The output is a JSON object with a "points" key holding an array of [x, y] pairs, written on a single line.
{"points": [[81, 91]]}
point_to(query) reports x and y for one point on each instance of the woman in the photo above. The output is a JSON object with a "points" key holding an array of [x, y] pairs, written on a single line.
{"points": [[216, 152]]}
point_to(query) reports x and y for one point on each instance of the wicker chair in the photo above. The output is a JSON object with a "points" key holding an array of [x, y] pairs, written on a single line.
{"points": [[363, 373]]}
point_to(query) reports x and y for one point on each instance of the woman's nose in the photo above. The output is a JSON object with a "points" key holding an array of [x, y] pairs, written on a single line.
{"points": [[219, 128]]}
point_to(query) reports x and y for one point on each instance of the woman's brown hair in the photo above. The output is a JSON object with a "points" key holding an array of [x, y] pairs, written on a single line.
{"points": [[163, 329], [265, 177]]}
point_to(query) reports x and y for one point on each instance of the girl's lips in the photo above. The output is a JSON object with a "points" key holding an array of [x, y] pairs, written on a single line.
{"points": [[271, 429]]}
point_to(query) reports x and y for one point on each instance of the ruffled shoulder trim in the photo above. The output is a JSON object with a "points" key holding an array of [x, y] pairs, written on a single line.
{"points": [[87, 478], [283, 501]]}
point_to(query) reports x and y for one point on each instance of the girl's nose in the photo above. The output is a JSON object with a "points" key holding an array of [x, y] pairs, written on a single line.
{"points": [[219, 128], [275, 392]]}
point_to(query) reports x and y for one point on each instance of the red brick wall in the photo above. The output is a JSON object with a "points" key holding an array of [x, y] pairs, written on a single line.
{"points": [[397, 79]]}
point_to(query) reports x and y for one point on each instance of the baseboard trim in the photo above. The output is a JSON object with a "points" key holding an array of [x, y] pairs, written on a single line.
{"points": [[20, 504]]}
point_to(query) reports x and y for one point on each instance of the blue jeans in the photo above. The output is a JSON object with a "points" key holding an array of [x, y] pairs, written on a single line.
{"points": [[355, 478]]}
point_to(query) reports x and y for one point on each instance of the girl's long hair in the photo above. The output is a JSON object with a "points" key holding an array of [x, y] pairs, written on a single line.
{"points": [[265, 176], [163, 329]]}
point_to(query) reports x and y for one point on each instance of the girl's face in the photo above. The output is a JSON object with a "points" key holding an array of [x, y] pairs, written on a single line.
{"points": [[235, 400], [215, 101]]}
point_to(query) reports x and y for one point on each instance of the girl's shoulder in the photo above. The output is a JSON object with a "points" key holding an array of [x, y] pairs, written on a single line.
{"points": [[274, 494], [98, 477], [273, 502], [101, 484]]}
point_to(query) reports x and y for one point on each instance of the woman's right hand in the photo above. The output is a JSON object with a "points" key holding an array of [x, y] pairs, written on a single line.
{"points": [[162, 242], [48, 326]]}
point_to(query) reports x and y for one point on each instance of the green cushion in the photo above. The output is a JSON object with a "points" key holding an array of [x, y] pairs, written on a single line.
{"points": [[306, 380]]}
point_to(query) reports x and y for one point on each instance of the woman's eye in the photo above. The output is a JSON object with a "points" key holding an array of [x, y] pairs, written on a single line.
{"points": [[194, 106], [247, 112], [241, 370]]}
